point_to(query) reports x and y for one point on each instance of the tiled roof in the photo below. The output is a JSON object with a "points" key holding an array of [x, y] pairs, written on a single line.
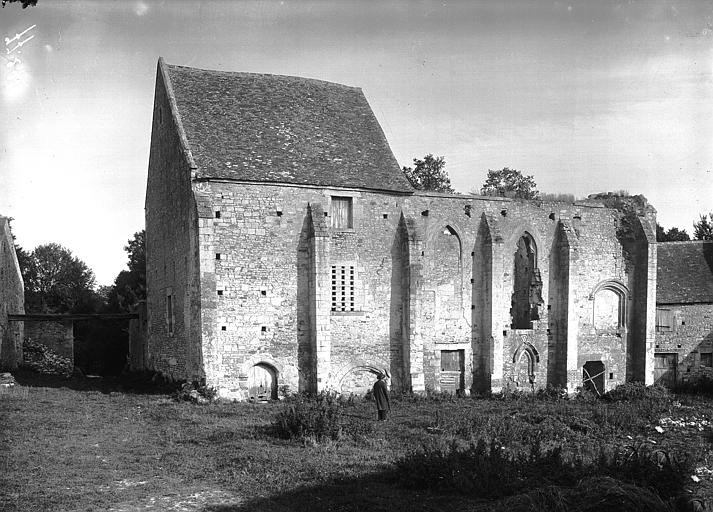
{"points": [[272, 128], [685, 272]]}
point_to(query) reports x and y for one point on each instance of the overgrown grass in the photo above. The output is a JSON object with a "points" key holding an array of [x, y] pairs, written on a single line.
{"points": [[68, 446]]}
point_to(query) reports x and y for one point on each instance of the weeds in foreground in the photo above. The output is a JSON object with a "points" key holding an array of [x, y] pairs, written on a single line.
{"points": [[489, 471]]}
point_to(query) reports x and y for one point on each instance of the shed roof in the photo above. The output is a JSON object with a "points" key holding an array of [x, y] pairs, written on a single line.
{"points": [[685, 272], [282, 129]]}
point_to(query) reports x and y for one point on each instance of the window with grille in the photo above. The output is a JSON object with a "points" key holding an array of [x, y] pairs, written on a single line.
{"points": [[664, 320], [707, 359], [342, 288], [341, 212]]}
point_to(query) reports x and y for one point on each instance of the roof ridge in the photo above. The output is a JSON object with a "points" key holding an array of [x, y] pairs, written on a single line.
{"points": [[262, 75]]}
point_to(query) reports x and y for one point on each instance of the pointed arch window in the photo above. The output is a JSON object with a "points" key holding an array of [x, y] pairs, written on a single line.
{"points": [[527, 284]]}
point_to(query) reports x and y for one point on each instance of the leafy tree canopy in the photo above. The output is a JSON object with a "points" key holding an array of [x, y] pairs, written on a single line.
{"points": [[509, 183], [429, 174], [130, 285], [24, 3], [56, 281], [672, 235], [703, 229]]}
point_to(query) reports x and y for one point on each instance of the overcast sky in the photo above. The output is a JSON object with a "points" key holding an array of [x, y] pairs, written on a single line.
{"points": [[585, 96]]}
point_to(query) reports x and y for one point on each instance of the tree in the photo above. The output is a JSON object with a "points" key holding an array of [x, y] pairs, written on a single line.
{"points": [[672, 235], [57, 281], [703, 229], [130, 285], [429, 174], [509, 183], [25, 3]]}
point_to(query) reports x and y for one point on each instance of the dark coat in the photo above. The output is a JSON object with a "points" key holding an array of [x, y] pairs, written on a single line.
{"points": [[381, 395]]}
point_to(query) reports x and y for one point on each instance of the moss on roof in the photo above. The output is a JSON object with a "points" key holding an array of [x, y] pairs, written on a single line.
{"points": [[685, 272], [283, 129]]}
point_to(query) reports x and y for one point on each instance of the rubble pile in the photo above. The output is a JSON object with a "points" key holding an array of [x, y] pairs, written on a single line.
{"points": [[42, 359], [693, 423], [6, 380]]}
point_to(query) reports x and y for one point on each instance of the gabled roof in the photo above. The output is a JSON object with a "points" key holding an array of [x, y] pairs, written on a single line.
{"points": [[282, 129], [685, 272]]}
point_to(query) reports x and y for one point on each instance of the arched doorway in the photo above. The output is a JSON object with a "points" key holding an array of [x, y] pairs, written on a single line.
{"points": [[262, 382]]}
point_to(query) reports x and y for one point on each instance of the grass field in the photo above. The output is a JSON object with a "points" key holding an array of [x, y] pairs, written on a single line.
{"points": [[89, 445]]}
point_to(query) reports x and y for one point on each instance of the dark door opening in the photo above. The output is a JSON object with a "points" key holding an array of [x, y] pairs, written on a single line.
{"points": [[593, 376]]}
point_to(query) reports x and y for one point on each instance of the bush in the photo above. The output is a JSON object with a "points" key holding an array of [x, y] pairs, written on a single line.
{"points": [[319, 418], [637, 391]]}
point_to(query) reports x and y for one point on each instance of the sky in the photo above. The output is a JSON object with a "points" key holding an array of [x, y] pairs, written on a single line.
{"points": [[584, 96]]}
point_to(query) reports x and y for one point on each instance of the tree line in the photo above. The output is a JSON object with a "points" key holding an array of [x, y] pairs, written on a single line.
{"points": [[429, 174], [58, 282]]}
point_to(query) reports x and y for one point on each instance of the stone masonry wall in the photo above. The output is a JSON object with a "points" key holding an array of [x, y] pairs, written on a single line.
{"points": [[412, 280], [690, 336], [12, 300], [57, 336], [173, 291]]}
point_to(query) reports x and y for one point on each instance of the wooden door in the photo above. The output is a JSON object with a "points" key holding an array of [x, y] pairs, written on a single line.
{"points": [[453, 371], [262, 383], [665, 369]]}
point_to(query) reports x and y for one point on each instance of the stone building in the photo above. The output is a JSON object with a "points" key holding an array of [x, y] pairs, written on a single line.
{"points": [[286, 248], [684, 312], [12, 300]]}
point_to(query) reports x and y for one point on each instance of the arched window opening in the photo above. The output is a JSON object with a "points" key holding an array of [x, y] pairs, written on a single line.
{"points": [[527, 284], [609, 308]]}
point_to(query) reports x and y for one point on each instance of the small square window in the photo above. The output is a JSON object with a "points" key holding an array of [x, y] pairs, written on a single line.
{"points": [[218, 256], [217, 215], [263, 328], [220, 292], [341, 212], [223, 328]]}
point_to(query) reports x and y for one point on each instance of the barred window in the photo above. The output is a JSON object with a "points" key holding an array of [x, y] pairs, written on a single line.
{"points": [[341, 212], [342, 288], [707, 359]]}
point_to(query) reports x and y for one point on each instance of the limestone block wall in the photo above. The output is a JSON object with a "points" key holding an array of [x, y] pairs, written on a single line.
{"points": [[172, 274], [690, 338], [425, 278], [12, 300]]}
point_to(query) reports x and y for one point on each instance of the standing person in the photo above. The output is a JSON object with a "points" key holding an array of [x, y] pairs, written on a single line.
{"points": [[381, 396]]}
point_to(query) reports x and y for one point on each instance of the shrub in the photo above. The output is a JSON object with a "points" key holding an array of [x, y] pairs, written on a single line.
{"points": [[637, 391], [319, 418]]}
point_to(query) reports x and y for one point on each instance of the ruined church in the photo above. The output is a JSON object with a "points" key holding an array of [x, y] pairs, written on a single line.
{"points": [[287, 251]]}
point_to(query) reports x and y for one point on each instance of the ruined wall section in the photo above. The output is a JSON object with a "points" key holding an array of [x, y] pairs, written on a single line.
{"points": [[406, 267], [173, 320], [12, 300]]}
